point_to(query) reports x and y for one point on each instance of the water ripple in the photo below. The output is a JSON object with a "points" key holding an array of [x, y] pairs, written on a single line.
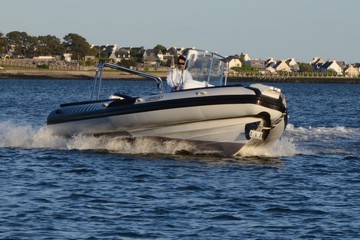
{"points": [[306, 187]]}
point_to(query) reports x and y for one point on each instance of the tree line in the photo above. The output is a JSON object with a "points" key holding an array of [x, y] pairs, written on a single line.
{"points": [[23, 45], [27, 46]]}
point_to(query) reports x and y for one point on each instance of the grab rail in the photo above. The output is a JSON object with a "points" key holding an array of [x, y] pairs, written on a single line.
{"points": [[100, 69]]}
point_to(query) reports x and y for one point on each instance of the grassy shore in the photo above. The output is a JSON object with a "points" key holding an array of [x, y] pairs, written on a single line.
{"points": [[62, 74], [32, 73]]}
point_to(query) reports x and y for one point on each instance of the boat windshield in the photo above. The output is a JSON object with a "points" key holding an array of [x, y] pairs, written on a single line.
{"points": [[206, 67]]}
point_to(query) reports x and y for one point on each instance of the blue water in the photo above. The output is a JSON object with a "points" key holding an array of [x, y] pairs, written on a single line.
{"points": [[307, 186]]}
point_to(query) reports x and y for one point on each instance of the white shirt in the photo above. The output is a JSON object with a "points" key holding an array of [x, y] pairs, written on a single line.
{"points": [[177, 77]]}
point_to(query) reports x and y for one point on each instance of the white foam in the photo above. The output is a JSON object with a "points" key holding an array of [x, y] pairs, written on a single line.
{"points": [[323, 134], [292, 143], [128, 145], [27, 136], [337, 130], [281, 148]]}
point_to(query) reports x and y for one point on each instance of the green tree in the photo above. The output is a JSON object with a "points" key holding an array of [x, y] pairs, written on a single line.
{"points": [[137, 52], [132, 62], [13, 37], [161, 48], [305, 67], [76, 45], [3, 44], [49, 45], [245, 69], [94, 52], [22, 44], [29, 46]]}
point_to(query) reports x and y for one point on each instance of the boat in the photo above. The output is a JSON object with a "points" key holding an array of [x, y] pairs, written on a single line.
{"points": [[209, 112]]}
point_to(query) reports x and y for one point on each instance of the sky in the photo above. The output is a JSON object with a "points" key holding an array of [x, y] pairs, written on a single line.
{"points": [[282, 29]]}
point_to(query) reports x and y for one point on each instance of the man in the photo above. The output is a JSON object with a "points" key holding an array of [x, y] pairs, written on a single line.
{"points": [[178, 76]]}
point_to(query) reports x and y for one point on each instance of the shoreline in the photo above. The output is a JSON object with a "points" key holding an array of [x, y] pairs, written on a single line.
{"points": [[70, 75], [113, 75]]}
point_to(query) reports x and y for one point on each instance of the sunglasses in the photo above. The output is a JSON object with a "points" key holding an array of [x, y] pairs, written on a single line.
{"points": [[180, 63]]}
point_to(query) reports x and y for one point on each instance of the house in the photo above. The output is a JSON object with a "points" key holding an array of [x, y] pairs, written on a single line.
{"points": [[294, 66], [234, 62], [351, 71], [67, 57], [270, 69], [356, 65], [342, 64], [244, 57], [123, 53], [169, 56], [270, 62], [331, 65], [107, 50], [316, 63], [282, 66], [153, 56], [180, 51], [172, 51], [44, 58], [315, 60], [256, 63]]}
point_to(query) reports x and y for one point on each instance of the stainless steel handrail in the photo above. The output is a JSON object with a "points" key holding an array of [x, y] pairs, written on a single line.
{"points": [[98, 79]]}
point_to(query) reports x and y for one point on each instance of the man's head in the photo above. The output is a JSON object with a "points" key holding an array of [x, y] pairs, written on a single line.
{"points": [[181, 62]]}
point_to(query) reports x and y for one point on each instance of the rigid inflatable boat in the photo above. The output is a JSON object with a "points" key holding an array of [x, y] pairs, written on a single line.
{"points": [[208, 112]]}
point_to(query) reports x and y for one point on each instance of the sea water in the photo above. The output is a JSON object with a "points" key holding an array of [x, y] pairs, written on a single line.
{"points": [[306, 186]]}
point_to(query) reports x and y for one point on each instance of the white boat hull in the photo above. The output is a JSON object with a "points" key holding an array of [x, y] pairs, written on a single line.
{"points": [[221, 127]]}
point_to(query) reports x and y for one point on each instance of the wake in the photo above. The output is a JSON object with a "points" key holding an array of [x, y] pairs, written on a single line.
{"points": [[26, 136], [13, 135]]}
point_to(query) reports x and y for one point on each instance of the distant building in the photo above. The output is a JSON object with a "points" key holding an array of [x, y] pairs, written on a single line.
{"points": [[351, 71], [270, 62], [67, 57], [180, 50], [282, 66], [235, 62], [244, 57], [44, 58], [270, 69], [170, 56], [172, 51], [316, 63], [153, 57], [331, 65], [294, 66], [256, 63], [123, 53], [341, 64]]}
